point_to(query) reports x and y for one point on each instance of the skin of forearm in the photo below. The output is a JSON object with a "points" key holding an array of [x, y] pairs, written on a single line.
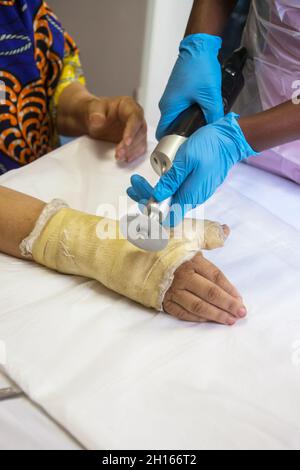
{"points": [[72, 110], [18, 216], [277, 126], [209, 16]]}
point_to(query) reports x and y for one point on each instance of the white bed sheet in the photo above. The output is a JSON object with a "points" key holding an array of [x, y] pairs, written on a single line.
{"points": [[119, 376], [23, 426]]}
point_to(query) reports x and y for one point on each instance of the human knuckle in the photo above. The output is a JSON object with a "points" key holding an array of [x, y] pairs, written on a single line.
{"points": [[128, 99], [188, 267], [212, 294], [198, 258], [217, 276], [172, 294], [180, 274], [167, 306], [198, 307], [181, 315]]}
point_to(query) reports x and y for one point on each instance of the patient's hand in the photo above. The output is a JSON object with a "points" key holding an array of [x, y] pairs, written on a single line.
{"points": [[73, 242], [119, 120], [201, 293]]}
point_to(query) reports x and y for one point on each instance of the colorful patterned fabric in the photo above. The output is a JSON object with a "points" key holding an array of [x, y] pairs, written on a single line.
{"points": [[38, 59]]}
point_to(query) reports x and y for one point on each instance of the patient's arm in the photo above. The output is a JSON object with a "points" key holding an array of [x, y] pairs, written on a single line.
{"points": [[119, 120], [72, 242], [18, 215]]}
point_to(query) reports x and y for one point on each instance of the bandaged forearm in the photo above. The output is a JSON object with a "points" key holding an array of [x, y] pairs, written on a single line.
{"points": [[76, 243]]}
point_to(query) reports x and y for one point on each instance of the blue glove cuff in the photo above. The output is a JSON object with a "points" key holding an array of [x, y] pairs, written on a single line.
{"points": [[201, 42], [230, 122]]}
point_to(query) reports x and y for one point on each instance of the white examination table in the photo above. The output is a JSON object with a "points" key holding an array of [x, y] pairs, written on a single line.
{"points": [[115, 375]]}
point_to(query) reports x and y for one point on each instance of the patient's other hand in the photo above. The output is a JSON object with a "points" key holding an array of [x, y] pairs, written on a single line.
{"points": [[201, 293], [119, 120]]}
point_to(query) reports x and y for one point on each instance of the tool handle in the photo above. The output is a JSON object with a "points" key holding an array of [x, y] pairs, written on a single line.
{"points": [[190, 120]]}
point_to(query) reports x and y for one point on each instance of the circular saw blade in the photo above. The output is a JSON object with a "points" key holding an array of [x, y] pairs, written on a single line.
{"points": [[144, 232]]}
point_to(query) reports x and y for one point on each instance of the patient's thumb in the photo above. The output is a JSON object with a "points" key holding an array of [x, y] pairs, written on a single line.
{"points": [[215, 235]]}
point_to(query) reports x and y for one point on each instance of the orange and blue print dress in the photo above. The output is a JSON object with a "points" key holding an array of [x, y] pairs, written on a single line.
{"points": [[38, 59]]}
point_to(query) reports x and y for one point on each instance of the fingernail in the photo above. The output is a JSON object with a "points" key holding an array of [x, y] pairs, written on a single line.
{"points": [[231, 321], [242, 312], [128, 141], [226, 230]]}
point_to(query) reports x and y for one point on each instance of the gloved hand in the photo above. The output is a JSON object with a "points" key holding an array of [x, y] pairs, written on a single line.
{"points": [[196, 78], [199, 168]]}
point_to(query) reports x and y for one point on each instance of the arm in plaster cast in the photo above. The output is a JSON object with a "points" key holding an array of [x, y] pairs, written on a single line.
{"points": [[119, 120], [68, 243], [209, 16]]}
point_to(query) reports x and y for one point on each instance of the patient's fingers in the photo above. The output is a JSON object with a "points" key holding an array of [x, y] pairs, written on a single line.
{"points": [[98, 112], [132, 152], [132, 115], [179, 312], [137, 147], [136, 153], [208, 270], [197, 289], [133, 125], [214, 295], [199, 308]]}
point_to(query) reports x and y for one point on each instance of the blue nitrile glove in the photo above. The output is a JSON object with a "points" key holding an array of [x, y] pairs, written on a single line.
{"points": [[201, 165], [196, 78]]}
